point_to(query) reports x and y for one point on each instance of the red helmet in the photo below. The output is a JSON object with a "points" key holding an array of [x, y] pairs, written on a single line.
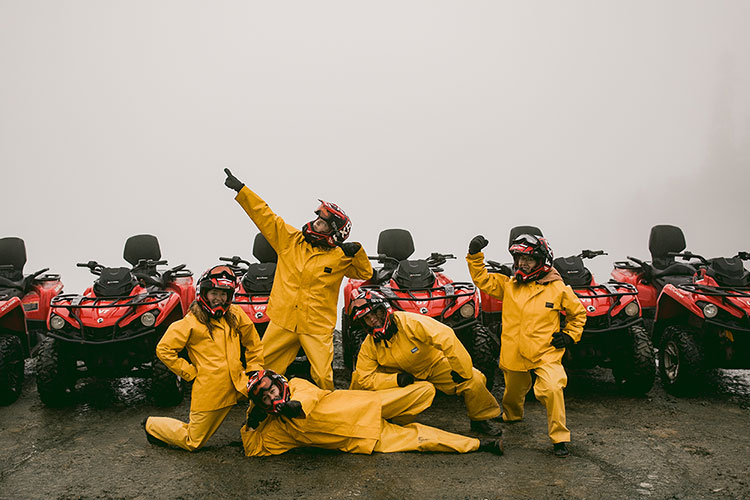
{"points": [[368, 302], [217, 278], [260, 382], [533, 246], [341, 225]]}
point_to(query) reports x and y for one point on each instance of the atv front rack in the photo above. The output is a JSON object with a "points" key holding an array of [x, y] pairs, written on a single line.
{"points": [[450, 292], [104, 335], [715, 291], [598, 324]]}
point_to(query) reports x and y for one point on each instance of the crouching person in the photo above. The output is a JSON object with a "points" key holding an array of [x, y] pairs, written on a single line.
{"points": [[300, 414], [402, 347], [213, 332]]}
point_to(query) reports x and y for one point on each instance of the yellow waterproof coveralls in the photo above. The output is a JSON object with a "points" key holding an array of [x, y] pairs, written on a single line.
{"points": [[302, 305], [429, 350], [353, 421], [219, 379], [531, 314]]}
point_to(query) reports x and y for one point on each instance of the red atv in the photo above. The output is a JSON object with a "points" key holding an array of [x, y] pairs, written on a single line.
{"points": [[705, 323], [253, 290], [255, 281], [614, 335], [651, 277], [420, 286], [111, 330], [24, 305]]}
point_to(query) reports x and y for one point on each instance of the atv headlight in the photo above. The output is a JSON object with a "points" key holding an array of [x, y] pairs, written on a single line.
{"points": [[710, 310], [467, 310], [56, 322], [632, 309], [148, 319]]}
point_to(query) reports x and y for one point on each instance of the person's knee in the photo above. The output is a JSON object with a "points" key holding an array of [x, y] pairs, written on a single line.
{"points": [[425, 389]]}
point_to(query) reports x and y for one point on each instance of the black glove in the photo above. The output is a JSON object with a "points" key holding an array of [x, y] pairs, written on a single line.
{"points": [[457, 378], [562, 340], [233, 182], [291, 409], [477, 243], [404, 379], [255, 417], [351, 248]]}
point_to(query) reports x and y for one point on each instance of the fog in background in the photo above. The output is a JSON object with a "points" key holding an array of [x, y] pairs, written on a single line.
{"points": [[594, 120]]}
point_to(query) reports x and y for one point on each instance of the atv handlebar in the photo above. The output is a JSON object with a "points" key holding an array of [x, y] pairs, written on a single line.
{"points": [[687, 256], [497, 267], [743, 255], [234, 263], [590, 254], [93, 266]]}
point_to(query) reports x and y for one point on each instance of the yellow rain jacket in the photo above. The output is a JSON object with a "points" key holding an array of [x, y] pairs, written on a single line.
{"points": [[214, 362], [531, 314], [339, 420], [307, 281], [421, 343]]}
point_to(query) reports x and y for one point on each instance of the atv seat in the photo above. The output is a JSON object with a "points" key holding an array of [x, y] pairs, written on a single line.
{"points": [[259, 278], [263, 251], [414, 274], [115, 282], [12, 253], [573, 272], [728, 272], [396, 243]]}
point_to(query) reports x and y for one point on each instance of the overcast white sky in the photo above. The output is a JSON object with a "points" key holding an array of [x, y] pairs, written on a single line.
{"points": [[592, 119]]}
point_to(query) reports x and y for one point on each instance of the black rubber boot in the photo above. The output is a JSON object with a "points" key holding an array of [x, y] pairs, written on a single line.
{"points": [[560, 450], [487, 427], [151, 439], [492, 445]]}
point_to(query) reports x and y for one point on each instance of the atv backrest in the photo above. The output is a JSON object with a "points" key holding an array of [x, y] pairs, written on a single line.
{"points": [[396, 243], [414, 274], [115, 282], [517, 231], [572, 270], [13, 253], [663, 240], [141, 247], [263, 251], [259, 277], [728, 272]]}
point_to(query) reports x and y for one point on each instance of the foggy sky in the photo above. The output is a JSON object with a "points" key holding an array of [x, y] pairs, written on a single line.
{"points": [[592, 119]]}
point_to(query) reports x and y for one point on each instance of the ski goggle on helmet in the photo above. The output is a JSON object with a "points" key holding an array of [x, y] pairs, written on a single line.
{"points": [[267, 390], [532, 246], [365, 310], [216, 278], [340, 223]]}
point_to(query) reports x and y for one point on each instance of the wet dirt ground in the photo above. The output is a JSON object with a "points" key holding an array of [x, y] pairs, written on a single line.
{"points": [[656, 447]]}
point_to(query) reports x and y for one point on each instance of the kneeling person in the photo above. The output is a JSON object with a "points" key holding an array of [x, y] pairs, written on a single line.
{"points": [[300, 414], [213, 332], [405, 346]]}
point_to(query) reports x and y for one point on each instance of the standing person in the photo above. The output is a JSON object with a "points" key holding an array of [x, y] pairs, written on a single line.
{"points": [[531, 338], [402, 347], [311, 264], [213, 332], [300, 414]]}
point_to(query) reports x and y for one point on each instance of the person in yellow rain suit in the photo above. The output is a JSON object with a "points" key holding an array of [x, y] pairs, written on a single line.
{"points": [[403, 346], [301, 414], [531, 339], [213, 332], [311, 265]]}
